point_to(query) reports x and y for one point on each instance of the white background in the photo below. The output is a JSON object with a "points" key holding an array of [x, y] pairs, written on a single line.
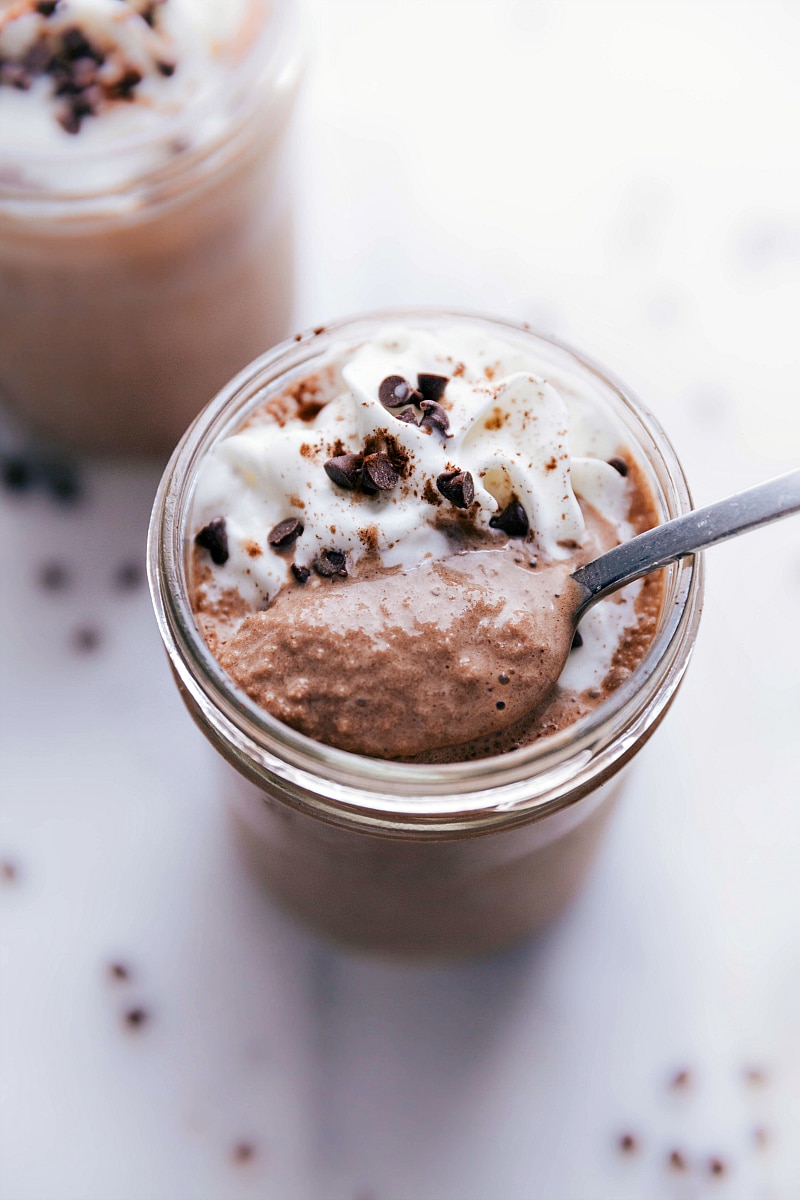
{"points": [[624, 175]]}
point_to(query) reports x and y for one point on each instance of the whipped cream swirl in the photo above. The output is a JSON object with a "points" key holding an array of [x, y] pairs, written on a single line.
{"points": [[505, 426], [115, 72]]}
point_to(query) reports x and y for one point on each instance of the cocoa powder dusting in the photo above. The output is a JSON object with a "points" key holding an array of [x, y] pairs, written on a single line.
{"points": [[370, 538], [302, 400], [495, 420], [430, 495]]}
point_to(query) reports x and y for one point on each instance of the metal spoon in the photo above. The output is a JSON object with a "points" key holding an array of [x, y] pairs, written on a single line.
{"points": [[686, 535]]}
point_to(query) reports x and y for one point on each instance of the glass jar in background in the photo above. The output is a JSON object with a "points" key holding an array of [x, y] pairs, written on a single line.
{"points": [[422, 860], [136, 278]]}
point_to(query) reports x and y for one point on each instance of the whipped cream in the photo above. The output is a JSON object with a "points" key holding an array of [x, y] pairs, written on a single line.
{"points": [[156, 61], [517, 435]]}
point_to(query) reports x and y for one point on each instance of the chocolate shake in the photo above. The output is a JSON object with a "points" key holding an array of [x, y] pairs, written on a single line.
{"points": [[145, 209], [418, 529], [371, 559]]}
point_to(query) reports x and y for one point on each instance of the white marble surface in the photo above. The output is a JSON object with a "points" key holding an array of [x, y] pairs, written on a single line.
{"points": [[626, 176]]}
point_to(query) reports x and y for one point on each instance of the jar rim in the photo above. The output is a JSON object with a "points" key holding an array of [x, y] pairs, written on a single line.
{"points": [[272, 60], [533, 779]]}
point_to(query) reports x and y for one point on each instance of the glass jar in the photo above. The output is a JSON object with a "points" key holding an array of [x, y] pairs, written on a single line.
{"points": [[416, 859], [135, 280]]}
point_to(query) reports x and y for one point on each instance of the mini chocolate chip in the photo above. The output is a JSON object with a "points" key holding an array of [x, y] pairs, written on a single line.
{"points": [[148, 14], [435, 417], [362, 702], [18, 473], [243, 1152], [61, 480], [214, 539], [628, 1143], [716, 1166], [38, 57], [76, 45], [54, 577], [677, 1161], [46, 8], [500, 705], [135, 1018], [285, 533], [86, 639], [63, 82], [166, 68], [84, 73], [408, 416], [681, 1080], [13, 74], [513, 520], [124, 88], [128, 576], [69, 120], [577, 640], [619, 464], [87, 102], [503, 678], [345, 470], [395, 391], [119, 972], [331, 563], [432, 386], [301, 574], [9, 871], [378, 470], [457, 487]]}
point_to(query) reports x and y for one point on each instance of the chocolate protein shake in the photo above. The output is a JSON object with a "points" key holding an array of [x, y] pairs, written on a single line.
{"points": [[417, 528], [145, 209], [373, 556]]}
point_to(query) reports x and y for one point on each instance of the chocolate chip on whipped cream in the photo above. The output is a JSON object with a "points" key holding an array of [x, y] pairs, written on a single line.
{"points": [[395, 391], [379, 471], [285, 533], [330, 564], [214, 538], [345, 469], [458, 487], [432, 386], [513, 520], [435, 417]]}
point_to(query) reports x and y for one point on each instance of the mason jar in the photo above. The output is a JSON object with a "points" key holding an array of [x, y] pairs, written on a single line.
{"points": [[136, 278], [407, 858]]}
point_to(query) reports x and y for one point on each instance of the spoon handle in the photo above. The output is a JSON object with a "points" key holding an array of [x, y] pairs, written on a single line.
{"points": [[676, 539]]}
